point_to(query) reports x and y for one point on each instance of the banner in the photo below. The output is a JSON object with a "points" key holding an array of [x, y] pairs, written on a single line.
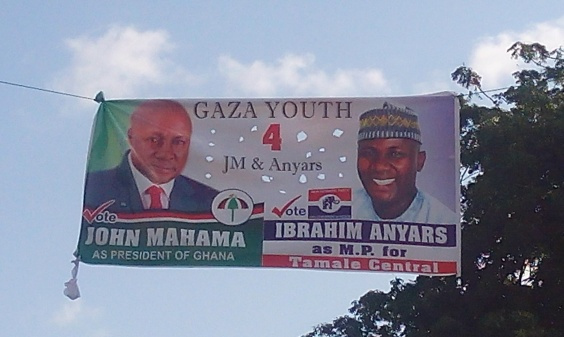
{"points": [[367, 184]]}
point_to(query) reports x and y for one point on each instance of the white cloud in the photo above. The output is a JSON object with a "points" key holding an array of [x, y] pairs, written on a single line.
{"points": [[68, 313], [71, 313], [297, 75], [492, 61], [123, 62], [436, 81]]}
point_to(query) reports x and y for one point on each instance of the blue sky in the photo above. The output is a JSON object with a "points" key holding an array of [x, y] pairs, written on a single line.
{"points": [[207, 49]]}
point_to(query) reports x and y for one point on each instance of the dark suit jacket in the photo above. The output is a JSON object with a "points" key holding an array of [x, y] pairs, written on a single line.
{"points": [[117, 184]]}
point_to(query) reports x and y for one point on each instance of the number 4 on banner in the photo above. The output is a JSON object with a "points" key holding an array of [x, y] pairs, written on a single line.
{"points": [[272, 137]]}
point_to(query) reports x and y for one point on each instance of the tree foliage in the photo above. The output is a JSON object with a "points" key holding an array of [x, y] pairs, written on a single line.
{"points": [[512, 284]]}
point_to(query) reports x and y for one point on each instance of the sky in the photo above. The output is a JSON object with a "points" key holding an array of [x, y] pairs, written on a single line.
{"points": [[204, 49]]}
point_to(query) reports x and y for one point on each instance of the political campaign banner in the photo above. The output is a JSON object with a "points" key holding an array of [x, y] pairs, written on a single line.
{"points": [[347, 183]]}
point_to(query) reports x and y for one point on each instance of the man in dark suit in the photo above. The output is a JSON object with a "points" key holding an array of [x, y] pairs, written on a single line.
{"points": [[149, 175]]}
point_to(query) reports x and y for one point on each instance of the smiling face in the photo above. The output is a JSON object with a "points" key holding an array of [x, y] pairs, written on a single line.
{"points": [[160, 138], [388, 168]]}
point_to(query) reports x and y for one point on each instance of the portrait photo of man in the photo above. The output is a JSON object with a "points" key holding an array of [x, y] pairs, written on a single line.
{"points": [[149, 176], [389, 158]]}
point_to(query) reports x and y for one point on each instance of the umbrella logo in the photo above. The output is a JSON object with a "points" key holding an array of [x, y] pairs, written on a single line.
{"points": [[233, 203], [232, 207]]}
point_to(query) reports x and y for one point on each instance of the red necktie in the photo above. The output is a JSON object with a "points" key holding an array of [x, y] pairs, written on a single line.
{"points": [[155, 193]]}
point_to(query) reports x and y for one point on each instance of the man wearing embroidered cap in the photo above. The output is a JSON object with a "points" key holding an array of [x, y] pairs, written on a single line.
{"points": [[149, 176], [389, 158]]}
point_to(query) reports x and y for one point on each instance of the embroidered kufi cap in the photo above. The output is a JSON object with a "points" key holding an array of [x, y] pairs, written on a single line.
{"points": [[389, 122]]}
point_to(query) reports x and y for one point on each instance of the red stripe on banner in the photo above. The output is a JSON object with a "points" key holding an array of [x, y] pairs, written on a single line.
{"points": [[257, 209], [165, 214], [345, 194], [356, 263]]}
